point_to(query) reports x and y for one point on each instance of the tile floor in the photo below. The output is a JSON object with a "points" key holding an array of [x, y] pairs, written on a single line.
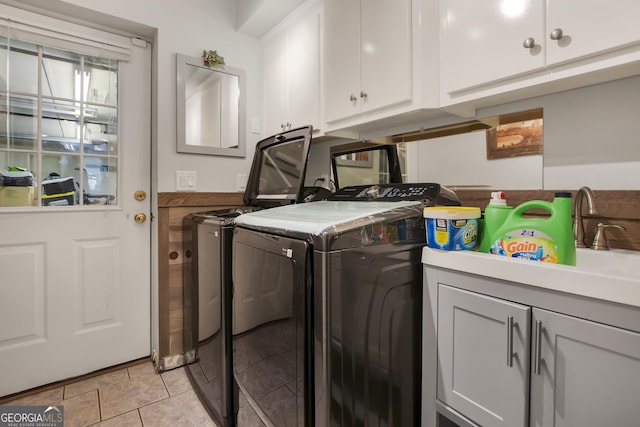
{"points": [[132, 396]]}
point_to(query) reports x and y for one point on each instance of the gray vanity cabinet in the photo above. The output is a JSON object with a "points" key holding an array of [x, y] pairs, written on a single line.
{"points": [[503, 363], [586, 374], [483, 357]]}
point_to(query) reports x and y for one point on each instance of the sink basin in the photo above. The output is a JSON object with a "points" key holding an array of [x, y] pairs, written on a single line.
{"points": [[614, 262], [612, 275]]}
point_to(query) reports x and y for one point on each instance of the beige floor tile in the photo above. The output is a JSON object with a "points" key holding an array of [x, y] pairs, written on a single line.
{"points": [[145, 368], [177, 381], [43, 398], [81, 410], [95, 383], [124, 396], [182, 410], [130, 419], [198, 373]]}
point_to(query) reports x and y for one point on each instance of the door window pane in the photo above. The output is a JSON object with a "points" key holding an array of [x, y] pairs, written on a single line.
{"points": [[20, 66], [101, 130], [100, 180], [61, 75], [19, 122], [102, 86]]}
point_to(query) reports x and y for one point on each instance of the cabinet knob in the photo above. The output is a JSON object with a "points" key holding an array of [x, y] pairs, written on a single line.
{"points": [[363, 94], [353, 98], [556, 34], [529, 43], [288, 126]]}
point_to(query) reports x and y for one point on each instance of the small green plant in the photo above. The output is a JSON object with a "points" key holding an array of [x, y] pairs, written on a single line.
{"points": [[211, 58]]}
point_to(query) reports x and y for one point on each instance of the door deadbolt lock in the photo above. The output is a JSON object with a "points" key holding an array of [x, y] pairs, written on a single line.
{"points": [[140, 217], [140, 195]]}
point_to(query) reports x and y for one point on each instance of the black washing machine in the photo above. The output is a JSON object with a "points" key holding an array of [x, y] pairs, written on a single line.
{"points": [[327, 307]]}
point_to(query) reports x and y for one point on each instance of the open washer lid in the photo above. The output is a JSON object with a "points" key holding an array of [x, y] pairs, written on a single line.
{"points": [[278, 169]]}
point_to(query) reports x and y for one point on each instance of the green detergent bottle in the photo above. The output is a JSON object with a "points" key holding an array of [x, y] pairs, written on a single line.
{"points": [[548, 239], [495, 215]]}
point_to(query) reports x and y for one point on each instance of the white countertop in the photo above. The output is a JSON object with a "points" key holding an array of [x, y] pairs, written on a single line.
{"points": [[606, 275]]}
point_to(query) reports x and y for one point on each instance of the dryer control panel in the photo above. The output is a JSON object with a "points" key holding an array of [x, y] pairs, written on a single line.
{"points": [[427, 193]]}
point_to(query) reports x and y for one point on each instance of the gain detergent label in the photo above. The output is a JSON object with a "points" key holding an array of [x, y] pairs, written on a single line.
{"points": [[526, 243]]}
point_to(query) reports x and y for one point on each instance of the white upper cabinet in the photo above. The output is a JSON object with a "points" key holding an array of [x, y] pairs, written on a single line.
{"points": [[495, 47], [590, 27], [292, 76], [482, 41], [368, 56]]}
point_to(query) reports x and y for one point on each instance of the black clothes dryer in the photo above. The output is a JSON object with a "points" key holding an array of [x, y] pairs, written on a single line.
{"points": [[276, 178]]}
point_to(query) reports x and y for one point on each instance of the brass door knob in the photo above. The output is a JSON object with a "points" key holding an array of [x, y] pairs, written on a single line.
{"points": [[140, 217], [140, 195]]}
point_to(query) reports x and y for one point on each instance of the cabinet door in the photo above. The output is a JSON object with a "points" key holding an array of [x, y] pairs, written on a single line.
{"points": [[482, 41], [601, 26], [341, 53], [386, 53], [588, 374], [276, 109], [483, 357], [304, 73]]}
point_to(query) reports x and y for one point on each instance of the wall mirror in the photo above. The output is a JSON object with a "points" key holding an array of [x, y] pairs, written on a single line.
{"points": [[211, 111]]}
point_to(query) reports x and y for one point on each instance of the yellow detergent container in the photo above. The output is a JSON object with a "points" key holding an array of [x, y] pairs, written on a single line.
{"points": [[538, 239]]}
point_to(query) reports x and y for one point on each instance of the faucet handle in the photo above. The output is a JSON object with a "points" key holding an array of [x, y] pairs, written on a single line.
{"points": [[600, 242]]}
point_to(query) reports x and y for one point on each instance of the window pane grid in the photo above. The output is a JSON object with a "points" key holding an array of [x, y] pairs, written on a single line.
{"points": [[58, 123]]}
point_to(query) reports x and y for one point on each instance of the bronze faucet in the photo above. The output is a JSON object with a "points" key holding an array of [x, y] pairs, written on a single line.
{"points": [[578, 226]]}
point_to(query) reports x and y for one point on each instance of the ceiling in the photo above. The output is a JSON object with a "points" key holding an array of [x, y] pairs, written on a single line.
{"points": [[256, 17]]}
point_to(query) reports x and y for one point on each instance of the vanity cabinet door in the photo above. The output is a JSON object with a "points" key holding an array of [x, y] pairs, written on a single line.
{"points": [[586, 374], [483, 357]]}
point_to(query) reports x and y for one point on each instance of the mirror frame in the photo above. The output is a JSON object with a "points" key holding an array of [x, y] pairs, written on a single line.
{"points": [[182, 61]]}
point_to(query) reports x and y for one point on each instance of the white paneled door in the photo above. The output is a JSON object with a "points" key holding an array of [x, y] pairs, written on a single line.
{"points": [[75, 280]]}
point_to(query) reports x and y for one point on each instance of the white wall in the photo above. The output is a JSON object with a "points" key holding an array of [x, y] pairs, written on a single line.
{"points": [[189, 27]]}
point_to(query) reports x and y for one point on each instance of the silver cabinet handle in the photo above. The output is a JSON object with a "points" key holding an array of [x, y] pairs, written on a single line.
{"points": [[363, 94], [353, 98], [509, 341], [556, 34], [529, 43], [538, 350]]}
